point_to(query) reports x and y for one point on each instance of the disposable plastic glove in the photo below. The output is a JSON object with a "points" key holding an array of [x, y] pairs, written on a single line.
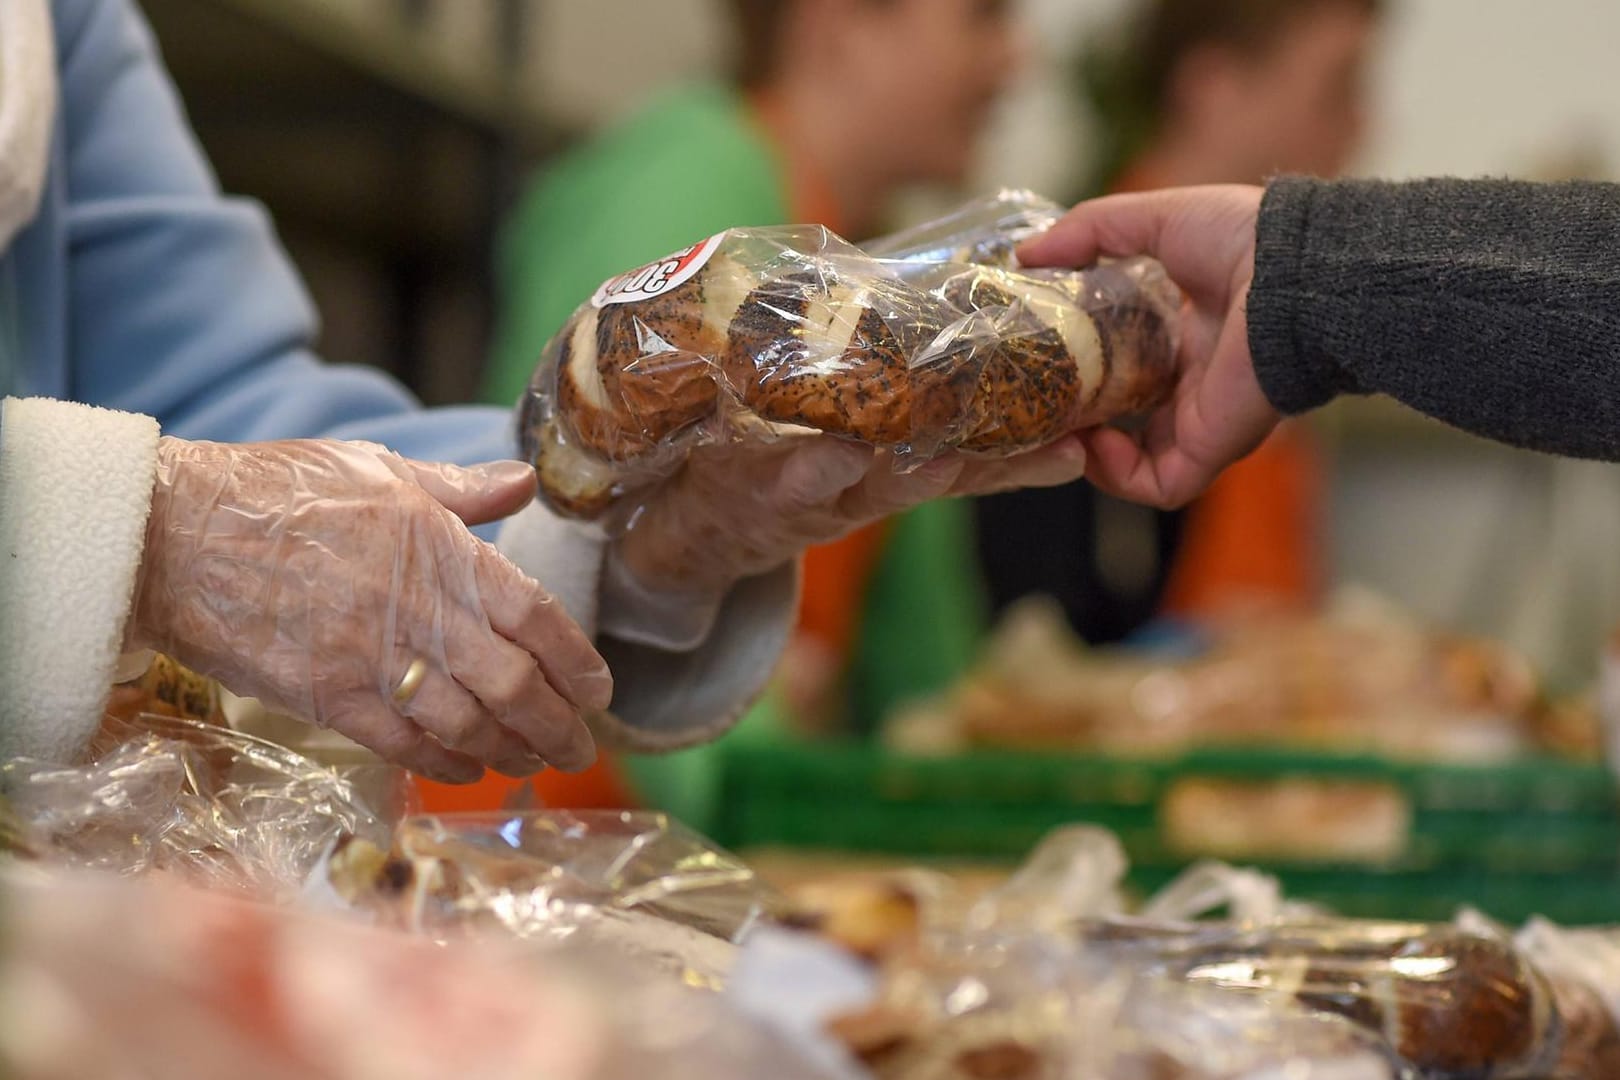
{"points": [[312, 574], [738, 510]]}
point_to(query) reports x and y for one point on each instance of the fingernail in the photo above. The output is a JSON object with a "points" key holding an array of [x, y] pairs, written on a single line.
{"points": [[940, 470], [469, 774], [501, 474], [518, 768], [580, 753], [592, 690]]}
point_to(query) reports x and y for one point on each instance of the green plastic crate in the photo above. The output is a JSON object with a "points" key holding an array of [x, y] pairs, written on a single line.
{"points": [[1538, 836]]}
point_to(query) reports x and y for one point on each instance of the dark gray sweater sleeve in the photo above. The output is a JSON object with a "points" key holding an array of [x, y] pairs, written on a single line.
{"points": [[1493, 305]]}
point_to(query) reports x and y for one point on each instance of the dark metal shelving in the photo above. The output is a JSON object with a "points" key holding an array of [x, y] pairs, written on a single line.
{"points": [[385, 162]]}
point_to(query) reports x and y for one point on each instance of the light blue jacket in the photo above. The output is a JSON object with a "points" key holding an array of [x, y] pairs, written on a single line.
{"points": [[140, 287]]}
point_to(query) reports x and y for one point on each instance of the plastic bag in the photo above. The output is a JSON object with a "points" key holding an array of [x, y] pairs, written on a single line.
{"points": [[17, 837], [1017, 1005], [762, 333], [214, 805], [120, 978], [1074, 873], [905, 979], [145, 978], [1444, 1003], [1583, 968], [984, 232], [637, 884], [1046, 978]]}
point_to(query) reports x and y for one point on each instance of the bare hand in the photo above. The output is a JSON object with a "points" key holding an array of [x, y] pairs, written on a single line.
{"points": [[1205, 237]]}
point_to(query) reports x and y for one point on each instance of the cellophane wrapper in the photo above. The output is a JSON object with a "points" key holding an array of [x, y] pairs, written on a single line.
{"points": [[635, 883], [923, 342], [198, 800]]}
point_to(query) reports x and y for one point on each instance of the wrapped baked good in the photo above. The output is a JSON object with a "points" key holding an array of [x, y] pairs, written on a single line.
{"points": [[1361, 675], [763, 333], [635, 883], [1444, 1002], [166, 688], [871, 917], [1583, 968], [117, 977], [1042, 977], [915, 980], [196, 800], [995, 1004]]}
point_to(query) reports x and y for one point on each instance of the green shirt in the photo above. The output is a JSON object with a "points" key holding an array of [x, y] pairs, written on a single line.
{"points": [[925, 613], [689, 166]]}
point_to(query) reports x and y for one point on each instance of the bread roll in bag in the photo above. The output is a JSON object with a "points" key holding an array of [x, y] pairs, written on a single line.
{"points": [[761, 333]]}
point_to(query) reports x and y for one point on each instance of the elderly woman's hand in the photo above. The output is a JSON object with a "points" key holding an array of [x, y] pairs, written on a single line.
{"points": [[338, 582]]}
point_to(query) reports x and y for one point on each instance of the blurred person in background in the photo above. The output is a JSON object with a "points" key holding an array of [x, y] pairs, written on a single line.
{"points": [[834, 107], [1198, 92]]}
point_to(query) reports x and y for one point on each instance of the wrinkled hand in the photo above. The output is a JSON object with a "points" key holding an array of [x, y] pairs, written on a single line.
{"points": [[1205, 237], [742, 509], [310, 574]]}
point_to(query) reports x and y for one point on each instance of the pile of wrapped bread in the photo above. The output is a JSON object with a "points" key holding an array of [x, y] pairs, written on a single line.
{"points": [[1361, 675], [929, 340], [1046, 978], [616, 946]]}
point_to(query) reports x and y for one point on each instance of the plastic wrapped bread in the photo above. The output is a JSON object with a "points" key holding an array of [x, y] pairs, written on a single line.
{"points": [[634, 883], [192, 799], [108, 976], [1444, 1002], [1043, 974], [760, 333]]}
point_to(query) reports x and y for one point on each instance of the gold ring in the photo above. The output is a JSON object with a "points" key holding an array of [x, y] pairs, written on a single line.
{"points": [[411, 681]]}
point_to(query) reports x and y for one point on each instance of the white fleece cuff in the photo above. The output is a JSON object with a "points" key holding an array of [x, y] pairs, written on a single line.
{"points": [[75, 491], [663, 698], [630, 611], [28, 100]]}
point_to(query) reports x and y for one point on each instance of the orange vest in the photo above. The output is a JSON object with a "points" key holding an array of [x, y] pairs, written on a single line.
{"points": [[1254, 536]]}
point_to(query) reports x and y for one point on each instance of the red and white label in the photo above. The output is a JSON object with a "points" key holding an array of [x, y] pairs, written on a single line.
{"points": [[655, 279]]}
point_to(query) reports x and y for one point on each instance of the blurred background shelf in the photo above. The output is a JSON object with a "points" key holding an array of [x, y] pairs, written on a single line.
{"points": [[388, 139], [385, 139], [1389, 425], [396, 46], [1538, 835]]}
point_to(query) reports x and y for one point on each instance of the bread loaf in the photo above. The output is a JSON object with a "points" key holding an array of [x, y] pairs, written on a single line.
{"points": [[1448, 1004], [815, 350], [987, 359]]}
